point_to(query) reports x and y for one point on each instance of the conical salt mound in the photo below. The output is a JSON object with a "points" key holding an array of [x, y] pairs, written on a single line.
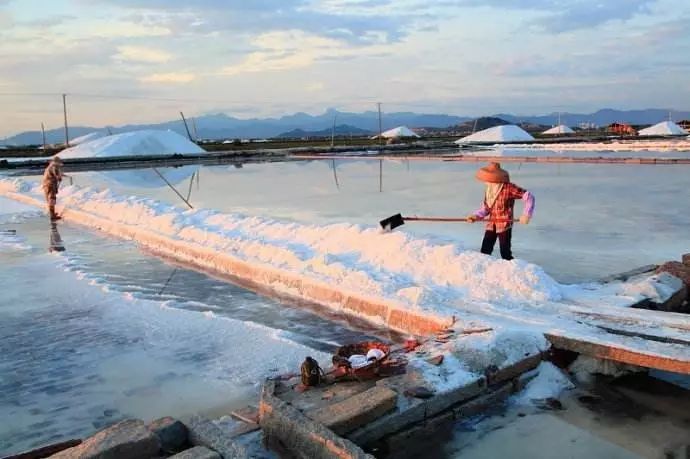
{"points": [[506, 133], [560, 129], [135, 143], [664, 128], [398, 132]]}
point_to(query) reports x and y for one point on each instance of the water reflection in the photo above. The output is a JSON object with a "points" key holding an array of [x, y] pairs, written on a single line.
{"points": [[149, 178], [55, 244]]}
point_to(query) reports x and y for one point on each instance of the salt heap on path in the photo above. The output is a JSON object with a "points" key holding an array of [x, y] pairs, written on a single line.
{"points": [[664, 128], [560, 129], [398, 132], [136, 143], [507, 133]]}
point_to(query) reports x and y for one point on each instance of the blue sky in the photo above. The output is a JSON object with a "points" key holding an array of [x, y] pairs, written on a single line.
{"points": [[272, 57]]}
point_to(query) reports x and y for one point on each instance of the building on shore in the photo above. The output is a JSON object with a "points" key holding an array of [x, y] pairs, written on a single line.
{"points": [[621, 129]]}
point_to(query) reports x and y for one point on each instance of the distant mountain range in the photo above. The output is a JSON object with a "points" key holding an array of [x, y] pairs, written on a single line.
{"points": [[340, 130], [222, 126]]}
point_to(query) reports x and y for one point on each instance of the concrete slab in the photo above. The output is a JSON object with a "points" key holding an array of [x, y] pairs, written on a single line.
{"points": [[354, 412]]}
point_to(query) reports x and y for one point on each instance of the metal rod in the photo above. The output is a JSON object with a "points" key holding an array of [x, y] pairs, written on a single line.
{"points": [[186, 127], [191, 182], [196, 134], [172, 188], [172, 274]]}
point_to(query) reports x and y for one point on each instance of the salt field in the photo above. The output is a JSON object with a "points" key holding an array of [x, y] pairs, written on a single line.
{"points": [[105, 307], [575, 235]]}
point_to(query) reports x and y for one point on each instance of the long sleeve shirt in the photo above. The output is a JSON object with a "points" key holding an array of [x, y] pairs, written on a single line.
{"points": [[500, 212], [52, 177]]}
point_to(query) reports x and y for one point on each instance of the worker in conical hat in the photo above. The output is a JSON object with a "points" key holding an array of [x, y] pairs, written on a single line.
{"points": [[52, 176], [497, 209]]}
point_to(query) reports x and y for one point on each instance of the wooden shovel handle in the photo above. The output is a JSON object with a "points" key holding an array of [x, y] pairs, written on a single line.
{"points": [[455, 219]]}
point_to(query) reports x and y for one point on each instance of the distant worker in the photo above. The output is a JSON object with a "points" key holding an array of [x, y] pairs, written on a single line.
{"points": [[52, 177], [497, 209]]}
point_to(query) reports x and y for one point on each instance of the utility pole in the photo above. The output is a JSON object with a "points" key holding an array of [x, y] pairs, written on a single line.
{"points": [[333, 132], [380, 130], [64, 111], [43, 131], [380, 175]]}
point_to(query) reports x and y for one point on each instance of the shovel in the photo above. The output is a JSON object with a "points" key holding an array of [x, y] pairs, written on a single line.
{"points": [[396, 220]]}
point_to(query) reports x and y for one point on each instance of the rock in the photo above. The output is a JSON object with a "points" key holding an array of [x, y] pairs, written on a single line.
{"points": [[550, 403], [678, 269], [171, 433], [198, 452], [419, 392], [438, 360], [686, 259], [129, 439], [203, 432]]}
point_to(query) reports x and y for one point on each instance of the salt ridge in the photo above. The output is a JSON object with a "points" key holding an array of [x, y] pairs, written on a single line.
{"points": [[433, 278]]}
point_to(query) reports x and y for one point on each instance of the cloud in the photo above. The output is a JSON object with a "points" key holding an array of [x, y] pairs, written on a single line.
{"points": [[558, 16], [582, 14], [358, 25], [50, 21], [171, 77], [293, 49], [141, 54]]}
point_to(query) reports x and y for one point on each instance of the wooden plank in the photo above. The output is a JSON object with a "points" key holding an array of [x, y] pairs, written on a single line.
{"points": [[248, 414], [661, 356], [46, 451]]}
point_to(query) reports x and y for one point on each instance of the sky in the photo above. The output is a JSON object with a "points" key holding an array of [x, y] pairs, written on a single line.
{"points": [[133, 61]]}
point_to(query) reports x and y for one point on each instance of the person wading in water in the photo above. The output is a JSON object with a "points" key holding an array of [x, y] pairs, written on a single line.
{"points": [[497, 209], [52, 177]]}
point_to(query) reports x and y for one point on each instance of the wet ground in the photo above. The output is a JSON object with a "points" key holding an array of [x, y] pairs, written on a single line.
{"points": [[632, 417]]}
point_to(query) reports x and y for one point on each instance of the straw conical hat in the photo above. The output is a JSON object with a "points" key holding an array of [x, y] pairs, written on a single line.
{"points": [[493, 174], [56, 159]]}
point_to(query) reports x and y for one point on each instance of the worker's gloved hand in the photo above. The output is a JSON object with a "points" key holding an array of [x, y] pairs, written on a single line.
{"points": [[524, 220], [472, 218]]}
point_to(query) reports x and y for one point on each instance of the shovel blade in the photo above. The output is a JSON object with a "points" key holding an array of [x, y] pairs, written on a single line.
{"points": [[392, 222]]}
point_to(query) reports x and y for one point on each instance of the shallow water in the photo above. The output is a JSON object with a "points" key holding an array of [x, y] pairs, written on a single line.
{"points": [[87, 338], [74, 325], [590, 220], [633, 417]]}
